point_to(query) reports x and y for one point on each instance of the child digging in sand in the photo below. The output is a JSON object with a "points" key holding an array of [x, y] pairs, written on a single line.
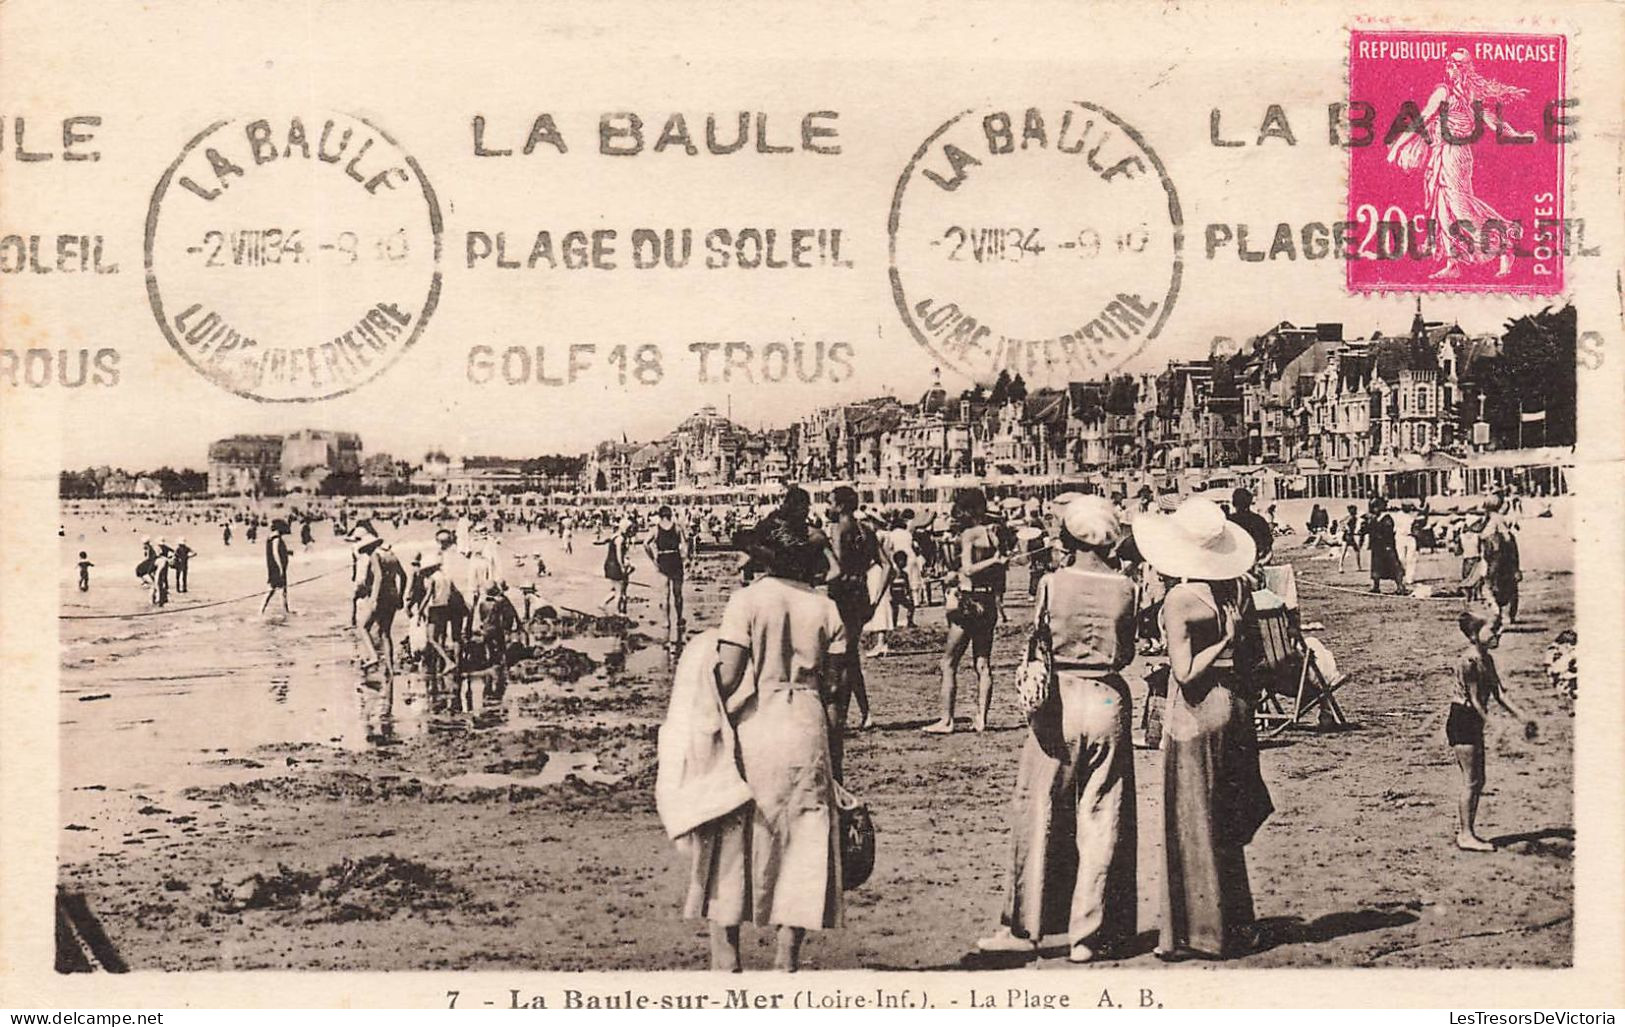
{"points": [[1475, 683]]}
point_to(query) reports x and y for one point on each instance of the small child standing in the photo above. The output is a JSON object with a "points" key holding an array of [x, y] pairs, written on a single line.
{"points": [[902, 590], [84, 572], [1475, 683]]}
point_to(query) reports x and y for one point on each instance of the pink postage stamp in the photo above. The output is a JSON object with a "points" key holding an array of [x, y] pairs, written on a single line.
{"points": [[1456, 162]]}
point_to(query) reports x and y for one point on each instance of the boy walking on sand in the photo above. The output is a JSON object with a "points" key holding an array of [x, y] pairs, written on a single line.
{"points": [[84, 572], [1474, 684]]}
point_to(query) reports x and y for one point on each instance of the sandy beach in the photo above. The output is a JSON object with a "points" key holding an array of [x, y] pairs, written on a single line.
{"points": [[233, 797]]}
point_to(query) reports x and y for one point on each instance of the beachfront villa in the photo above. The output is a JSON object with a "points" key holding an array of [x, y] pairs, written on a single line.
{"points": [[300, 461]]}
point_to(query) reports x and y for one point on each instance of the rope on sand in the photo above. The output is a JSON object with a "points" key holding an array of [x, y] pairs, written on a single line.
{"points": [[1396, 595], [1375, 595], [162, 610]]}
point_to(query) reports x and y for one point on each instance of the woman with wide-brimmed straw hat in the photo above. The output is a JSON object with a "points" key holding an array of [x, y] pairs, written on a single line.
{"points": [[1072, 833], [1213, 797]]}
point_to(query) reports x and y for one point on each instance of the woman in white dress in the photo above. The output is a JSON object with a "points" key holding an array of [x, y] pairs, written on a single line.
{"points": [[776, 862], [894, 539]]}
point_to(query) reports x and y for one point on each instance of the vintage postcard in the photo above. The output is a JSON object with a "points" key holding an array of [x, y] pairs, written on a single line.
{"points": [[927, 505]]}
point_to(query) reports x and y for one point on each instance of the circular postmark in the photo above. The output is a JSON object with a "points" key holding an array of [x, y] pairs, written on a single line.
{"points": [[293, 258], [1045, 241]]}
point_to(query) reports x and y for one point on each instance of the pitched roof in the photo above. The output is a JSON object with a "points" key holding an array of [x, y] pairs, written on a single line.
{"points": [[1473, 348], [1437, 331], [873, 416], [1354, 371], [1395, 355], [250, 448], [610, 449], [1310, 362], [653, 453], [1045, 406], [978, 406]]}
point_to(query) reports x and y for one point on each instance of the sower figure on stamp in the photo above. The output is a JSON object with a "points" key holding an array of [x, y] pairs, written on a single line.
{"points": [[1448, 193]]}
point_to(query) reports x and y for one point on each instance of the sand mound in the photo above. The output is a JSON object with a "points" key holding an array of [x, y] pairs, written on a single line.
{"points": [[371, 888], [561, 663]]}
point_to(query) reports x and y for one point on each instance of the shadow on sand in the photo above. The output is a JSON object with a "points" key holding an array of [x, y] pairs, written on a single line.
{"points": [[1275, 931], [1548, 841], [1271, 933]]}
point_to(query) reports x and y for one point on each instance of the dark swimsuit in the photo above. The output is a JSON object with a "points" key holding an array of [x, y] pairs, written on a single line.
{"points": [[669, 552], [273, 564]]}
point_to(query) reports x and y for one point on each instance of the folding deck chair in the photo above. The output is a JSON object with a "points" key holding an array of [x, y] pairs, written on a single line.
{"points": [[1291, 683]]}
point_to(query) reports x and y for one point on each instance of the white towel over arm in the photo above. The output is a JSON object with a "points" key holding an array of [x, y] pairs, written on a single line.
{"points": [[698, 778]]}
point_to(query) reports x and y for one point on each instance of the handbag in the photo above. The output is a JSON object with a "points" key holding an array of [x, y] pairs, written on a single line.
{"points": [[857, 829], [1035, 682], [1156, 697]]}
